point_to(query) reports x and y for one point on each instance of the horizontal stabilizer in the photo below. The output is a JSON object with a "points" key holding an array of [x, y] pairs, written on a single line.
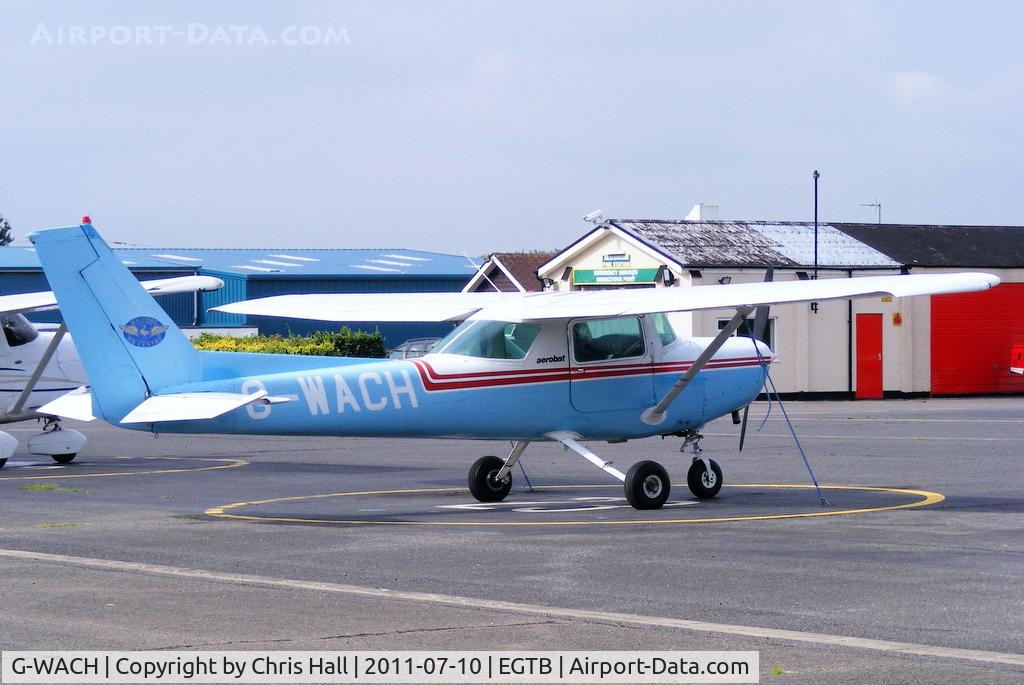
{"points": [[45, 300], [191, 406], [76, 404]]}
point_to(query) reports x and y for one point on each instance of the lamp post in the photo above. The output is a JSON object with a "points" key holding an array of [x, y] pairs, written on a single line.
{"points": [[816, 174]]}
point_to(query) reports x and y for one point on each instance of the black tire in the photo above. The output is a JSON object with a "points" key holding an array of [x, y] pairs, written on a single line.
{"points": [[647, 485], [481, 480], [702, 484], [2, 462], [63, 458]]}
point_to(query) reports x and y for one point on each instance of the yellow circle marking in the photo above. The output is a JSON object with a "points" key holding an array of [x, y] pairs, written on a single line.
{"points": [[231, 464], [927, 499]]}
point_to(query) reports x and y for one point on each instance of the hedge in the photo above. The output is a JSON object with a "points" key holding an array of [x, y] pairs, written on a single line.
{"points": [[344, 343]]}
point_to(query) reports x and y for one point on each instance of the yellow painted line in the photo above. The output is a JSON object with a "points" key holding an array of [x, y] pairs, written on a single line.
{"points": [[927, 499], [845, 419], [874, 438], [231, 464]]}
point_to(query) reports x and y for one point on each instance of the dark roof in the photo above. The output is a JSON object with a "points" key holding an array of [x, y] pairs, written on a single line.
{"points": [[944, 246], [523, 267], [753, 243]]}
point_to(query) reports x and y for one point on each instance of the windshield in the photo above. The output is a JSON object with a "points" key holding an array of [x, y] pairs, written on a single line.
{"points": [[490, 339]]}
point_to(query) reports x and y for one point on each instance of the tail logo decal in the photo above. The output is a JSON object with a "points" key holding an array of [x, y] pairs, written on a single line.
{"points": [[144, 331]]}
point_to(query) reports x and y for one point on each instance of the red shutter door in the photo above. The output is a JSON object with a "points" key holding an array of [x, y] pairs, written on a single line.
{"points": [[972, 336]]}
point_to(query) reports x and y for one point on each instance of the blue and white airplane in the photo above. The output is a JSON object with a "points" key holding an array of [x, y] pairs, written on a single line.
{"points": [[565, 367]]}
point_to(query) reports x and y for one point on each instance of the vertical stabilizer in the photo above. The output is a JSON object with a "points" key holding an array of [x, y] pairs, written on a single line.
{"points": [[129, 346]]}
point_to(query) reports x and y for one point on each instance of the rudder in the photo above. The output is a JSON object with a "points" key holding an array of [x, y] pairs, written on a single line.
{"points": [[129, 346]]}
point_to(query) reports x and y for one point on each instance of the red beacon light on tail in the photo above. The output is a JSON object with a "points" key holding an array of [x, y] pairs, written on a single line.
{"points": [[86, 220]]}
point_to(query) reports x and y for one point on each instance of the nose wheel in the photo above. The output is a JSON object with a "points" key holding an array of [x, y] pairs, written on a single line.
{"points": [[704, 483]]}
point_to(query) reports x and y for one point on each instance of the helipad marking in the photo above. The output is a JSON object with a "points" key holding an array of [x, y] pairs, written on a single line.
{"points": [[231, 464], [927, 499]]}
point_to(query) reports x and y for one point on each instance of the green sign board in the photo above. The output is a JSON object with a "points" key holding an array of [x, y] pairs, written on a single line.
{"points": [[613, 276]]}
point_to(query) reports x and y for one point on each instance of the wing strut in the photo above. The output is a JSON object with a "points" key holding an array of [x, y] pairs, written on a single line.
{"points": [[652, 416], [33, 380]]}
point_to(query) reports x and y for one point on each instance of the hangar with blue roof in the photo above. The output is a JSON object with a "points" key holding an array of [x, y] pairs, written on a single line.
{"points": [[252, 273]]}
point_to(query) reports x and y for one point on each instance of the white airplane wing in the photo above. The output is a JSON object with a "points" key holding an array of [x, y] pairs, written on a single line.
{"points": [[41, 301], [550, 305], [370, 306]]}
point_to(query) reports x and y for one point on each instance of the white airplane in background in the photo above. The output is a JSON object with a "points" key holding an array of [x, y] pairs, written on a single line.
{"points": [[40, 363]]}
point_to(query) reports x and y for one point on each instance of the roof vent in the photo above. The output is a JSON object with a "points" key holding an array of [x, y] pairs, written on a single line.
{"points": [[703, 212]]}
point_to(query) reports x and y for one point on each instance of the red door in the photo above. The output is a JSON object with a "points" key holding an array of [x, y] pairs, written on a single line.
{"points": [[869, 356]]}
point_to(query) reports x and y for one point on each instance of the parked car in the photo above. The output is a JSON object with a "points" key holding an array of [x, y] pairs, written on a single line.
{"points": [[410, 349]]}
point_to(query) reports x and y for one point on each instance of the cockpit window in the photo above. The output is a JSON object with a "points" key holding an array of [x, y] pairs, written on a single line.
{"points": [[18, 330], [602, 339], [490, 340], [664, 328]]}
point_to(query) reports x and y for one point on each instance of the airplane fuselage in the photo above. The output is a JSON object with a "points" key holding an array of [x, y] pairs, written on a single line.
{"points": [[555, 386]]}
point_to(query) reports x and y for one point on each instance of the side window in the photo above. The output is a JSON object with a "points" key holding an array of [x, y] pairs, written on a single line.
{"points": [[664, 328], [604, 339]]}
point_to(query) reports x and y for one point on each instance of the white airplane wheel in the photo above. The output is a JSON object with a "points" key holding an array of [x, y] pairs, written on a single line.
{"points": [[481, 480], [703, 484], [61, 444], [8, 444], [647, 485]]}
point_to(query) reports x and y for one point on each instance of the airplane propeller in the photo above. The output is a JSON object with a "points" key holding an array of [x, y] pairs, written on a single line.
{"points": [[760, 326]]}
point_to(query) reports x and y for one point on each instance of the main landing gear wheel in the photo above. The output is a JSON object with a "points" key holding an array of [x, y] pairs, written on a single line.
{"points": [[647, 485], [704, 484], [63, 458], [481, 480], [2, 463]]}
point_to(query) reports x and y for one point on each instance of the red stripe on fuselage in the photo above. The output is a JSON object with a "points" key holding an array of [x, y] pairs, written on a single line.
{"points": [[434, 380]]}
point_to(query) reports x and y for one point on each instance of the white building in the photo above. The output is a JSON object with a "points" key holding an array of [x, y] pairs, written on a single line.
{"points": [[953, 344]]}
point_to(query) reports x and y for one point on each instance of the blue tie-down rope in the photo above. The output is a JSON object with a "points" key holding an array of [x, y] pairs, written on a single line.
{"points": [[774, 391], [523, 469]]}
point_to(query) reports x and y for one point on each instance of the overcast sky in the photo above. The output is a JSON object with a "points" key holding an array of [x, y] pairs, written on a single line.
{"points": [[480, 126]]}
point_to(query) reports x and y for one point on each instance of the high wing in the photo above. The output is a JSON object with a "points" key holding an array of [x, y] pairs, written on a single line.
{"points": [[371, 307], [550, 305], [41, 301]]}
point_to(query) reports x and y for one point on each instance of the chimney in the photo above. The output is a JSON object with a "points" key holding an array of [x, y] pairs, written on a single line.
{"points": [[703, 212]]}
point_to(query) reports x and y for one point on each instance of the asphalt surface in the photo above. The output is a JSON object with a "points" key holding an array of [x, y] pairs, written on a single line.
{"points": [[933, 559]]}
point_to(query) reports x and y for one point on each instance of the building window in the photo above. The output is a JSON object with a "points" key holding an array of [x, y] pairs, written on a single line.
{"points": [[744, 331], [604, 339]]}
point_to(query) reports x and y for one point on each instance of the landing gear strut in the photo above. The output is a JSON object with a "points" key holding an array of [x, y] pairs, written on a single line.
{"points": [[646, 484], [704, 477]]}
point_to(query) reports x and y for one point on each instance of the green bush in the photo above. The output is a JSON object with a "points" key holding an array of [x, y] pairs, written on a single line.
{"points": [[344, 343]]}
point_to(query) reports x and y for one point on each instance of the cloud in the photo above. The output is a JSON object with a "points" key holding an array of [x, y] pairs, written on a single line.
{"points": [[912, 87]]}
